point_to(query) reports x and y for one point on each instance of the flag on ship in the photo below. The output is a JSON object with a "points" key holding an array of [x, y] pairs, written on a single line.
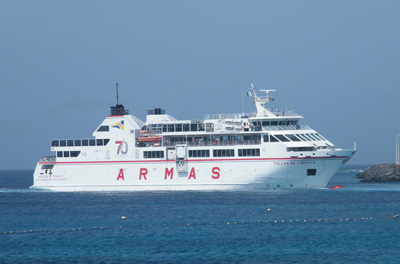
{"points": [[119, 125], [248, 94]]}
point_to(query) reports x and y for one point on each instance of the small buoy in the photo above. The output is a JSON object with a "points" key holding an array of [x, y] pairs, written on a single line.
{"points": [[268, 209], [336, 187], [123, 217]]}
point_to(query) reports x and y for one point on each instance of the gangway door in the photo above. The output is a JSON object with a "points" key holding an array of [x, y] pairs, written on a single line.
{"points": [[171, 154], [180, 158]]}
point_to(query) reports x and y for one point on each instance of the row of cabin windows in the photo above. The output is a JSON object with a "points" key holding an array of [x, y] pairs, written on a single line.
{"points": [[277, 123], [79, 142], [205, 153], [224, 153], [199, 153], [293, 137], [213, 138], [249, 152], [68, 154], [153, 154]]}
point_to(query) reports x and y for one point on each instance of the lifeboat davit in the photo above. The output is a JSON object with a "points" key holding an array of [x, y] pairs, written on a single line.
{"points": [[336, 187]]}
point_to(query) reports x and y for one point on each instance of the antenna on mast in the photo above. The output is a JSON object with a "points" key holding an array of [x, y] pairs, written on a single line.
{"points": [[116, 87], [119, 109]]}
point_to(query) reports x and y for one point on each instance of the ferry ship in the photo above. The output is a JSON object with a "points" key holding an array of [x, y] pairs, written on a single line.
{"points": [[267, 149]]}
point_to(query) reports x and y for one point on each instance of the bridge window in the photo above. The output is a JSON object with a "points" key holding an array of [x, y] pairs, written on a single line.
{"points": [[306, 137], [103, 129], [292, 137], [66, 154], [301, 137], [55, 143], [273, 139], [309, 137], [282, 138], [315, 137], [63, 143], [78, 142], [92, 142], [59, 154], [85, 142]]}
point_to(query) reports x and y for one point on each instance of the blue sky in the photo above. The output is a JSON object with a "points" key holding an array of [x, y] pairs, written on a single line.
{"points": [[337, 63]]}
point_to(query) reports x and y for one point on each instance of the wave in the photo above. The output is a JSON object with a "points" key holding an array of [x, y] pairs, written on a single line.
{"points": [[6, 190], [27, 190], [352, 171]]}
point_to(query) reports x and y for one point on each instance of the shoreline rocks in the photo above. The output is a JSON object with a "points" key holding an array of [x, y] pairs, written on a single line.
{"points": [[381, 173]]}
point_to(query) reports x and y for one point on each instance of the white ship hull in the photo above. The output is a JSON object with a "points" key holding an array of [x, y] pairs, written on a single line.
{"points": [[227, 174]]}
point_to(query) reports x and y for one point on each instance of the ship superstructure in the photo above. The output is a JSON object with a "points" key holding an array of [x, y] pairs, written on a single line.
{"points": [[262, 150]]}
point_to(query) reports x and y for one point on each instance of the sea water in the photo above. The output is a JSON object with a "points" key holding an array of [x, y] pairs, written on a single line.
{"points": [[356, 224]]}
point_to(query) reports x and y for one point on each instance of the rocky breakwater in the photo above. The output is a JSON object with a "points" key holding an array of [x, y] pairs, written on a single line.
{"points": [[381, 173]]}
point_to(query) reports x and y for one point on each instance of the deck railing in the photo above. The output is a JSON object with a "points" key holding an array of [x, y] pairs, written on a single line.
{"points": [[213, 143], [290, 127], [249, 115]]}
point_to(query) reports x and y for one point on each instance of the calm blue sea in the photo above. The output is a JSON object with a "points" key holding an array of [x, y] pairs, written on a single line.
{"points": [[348, 225]]}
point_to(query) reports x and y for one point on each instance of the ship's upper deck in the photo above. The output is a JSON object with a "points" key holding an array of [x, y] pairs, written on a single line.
{"points": [[157, 122]]}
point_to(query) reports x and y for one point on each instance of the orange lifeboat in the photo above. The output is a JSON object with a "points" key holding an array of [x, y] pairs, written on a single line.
{"points": [[149, 139]]}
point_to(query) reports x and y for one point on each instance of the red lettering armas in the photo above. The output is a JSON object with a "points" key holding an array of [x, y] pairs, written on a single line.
{"points": [[216, 173], [143, 172], [121, 175]]}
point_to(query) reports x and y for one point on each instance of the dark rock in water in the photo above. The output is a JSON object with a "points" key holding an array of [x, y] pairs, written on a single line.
{"points": [[381, 173]]}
